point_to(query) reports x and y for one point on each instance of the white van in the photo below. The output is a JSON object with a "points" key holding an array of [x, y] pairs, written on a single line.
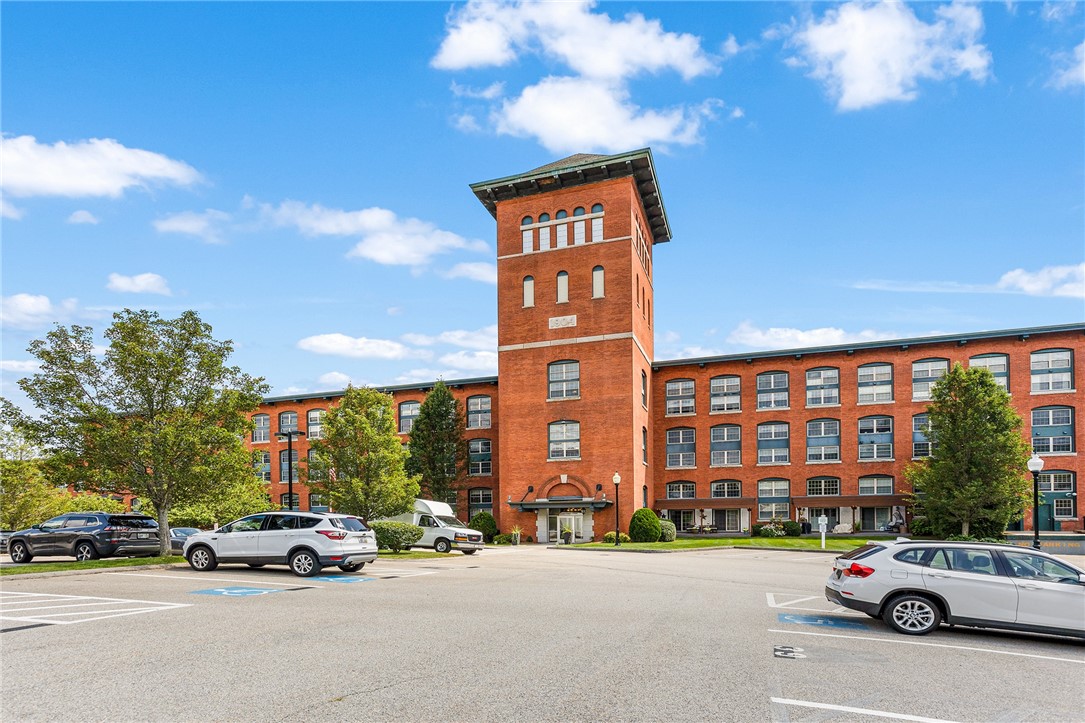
{"points": [[440, 528]]}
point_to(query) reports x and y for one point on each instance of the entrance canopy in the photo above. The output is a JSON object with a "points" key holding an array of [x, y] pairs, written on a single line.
{"points": [[561, 503]]}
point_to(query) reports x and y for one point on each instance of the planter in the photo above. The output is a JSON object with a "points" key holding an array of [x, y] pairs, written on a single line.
{"points": [[515, 538], [567, 538]]}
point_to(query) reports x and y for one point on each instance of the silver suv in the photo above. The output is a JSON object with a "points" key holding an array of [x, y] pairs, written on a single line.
{"points": [[914, 586], [306, 541]]}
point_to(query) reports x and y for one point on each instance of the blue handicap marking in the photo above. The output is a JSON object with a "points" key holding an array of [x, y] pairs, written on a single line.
{"points": [[236, 591], [342, 578], [822, 620]]}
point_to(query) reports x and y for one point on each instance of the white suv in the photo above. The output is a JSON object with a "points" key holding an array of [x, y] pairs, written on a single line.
{"points": [[306, 541], [916, 585]]}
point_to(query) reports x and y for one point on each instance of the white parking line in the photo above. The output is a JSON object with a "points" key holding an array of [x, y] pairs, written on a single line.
{"points": [[33, 602], [861, 711], [1079, 661], [191, 578], [770, 598]]}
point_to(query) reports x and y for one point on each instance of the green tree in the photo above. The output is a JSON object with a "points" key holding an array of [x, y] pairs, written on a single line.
{"points": [[975, 476], [358, 463], [244, 497], [26, 498], [160, 416], [438, 451]]}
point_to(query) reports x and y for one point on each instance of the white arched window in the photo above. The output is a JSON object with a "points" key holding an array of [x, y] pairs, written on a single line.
{"points": [[527, 232], [597, 222], [529, 291], [597, 282], [563, 287]]}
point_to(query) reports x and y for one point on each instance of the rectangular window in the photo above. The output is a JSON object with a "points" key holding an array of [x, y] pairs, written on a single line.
{"points": [[876, 451], [261, 430], [563, 236], [681, 491], [680, 397], [314, 426], [578, 232], [544, 238], [997, 364], [1064, 508], [773, 456], [876, 486], [727, 489], [288, 422], [288, 465], [1052, 371], [823, 453], [597, 229], [875, 383], [681, 448], [773, 488], [731, 433], [726, 445], [772, 431], [876, 425], [263, 466], [478, 412], [726, 457], [479, 461], [724, 394], [823, 428], [1052, 430], [822, 387], [772, 390], [408, 412], [825, 487], [1056, 482], [772, 511], [924, 376], [316, 503], [529, 241], [564, 380], [564, 440]]}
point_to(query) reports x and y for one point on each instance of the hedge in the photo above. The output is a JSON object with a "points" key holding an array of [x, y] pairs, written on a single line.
{"points": [[644, 526], [396, 536]]}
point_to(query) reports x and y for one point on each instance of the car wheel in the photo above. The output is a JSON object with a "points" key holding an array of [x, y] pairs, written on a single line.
{"points": [[201, 559], [256, 564], [469, 552], [912, 615], [353, 567], [85, 551], [442, 545], [19, 552], [304, 563]]}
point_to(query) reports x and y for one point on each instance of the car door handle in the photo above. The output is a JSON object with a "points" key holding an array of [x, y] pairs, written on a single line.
{"points": [[938, 574], [1031, 586]]}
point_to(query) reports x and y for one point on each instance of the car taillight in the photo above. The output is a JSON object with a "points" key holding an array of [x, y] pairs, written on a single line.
{"points": [[340, 534], [857, 570]]}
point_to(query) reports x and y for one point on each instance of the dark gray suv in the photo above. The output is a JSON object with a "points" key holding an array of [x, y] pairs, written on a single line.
{"points": [[87, 536]]}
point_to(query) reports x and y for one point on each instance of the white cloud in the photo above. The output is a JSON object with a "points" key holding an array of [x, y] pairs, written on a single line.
{"points": [[477, 271], [207, 225], [139, 284], [19, 366], [30, 311], [412, 376], [603, 54], [95, 167], [1067, 281], [730, 47], [484, 338], [82, 216], [1056, 12], [393, 311], [1069, 69], [737, 113], [10, 211], [475, 361], [360, 347], [493, 90], [605, 117], [386, 238], [335, 380], [871, 53], [746, 334]]}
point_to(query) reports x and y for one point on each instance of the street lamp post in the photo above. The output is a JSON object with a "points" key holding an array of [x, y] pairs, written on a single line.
{"points": [[1035, 465], [289, 437], [616, 479]]}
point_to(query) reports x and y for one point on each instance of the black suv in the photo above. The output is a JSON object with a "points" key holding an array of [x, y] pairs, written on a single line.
{"points": [[87, 536]]}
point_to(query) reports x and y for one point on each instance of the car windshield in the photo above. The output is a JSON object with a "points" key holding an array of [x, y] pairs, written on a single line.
{"points": [[450, 521], [349, 523], [145, 523], [183, 531], [860, 552]]}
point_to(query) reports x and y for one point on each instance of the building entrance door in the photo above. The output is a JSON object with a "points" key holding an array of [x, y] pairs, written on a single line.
{"points": [[565, 520], [833, 513]]}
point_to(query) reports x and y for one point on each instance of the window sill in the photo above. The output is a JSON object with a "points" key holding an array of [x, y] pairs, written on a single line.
{"points": [[680, 414], [773, 409], [1057, 454], [726, 411], [722, 466], [773, 464], [873, 404], [680, 468], [923, 399], [822, 406], [880, 459], [1044, 392], [562, 399], [824, 461], [266, 441], [563, 459]]}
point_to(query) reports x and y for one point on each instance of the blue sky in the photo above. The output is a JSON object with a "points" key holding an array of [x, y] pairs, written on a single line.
{"points": [[298, 173]]}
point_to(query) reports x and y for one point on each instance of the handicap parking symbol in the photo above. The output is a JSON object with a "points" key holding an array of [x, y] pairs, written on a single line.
{"points": [[236, 591], [343, 578], [821, 620]]}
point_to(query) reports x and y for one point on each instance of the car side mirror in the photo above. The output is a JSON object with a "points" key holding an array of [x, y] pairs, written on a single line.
{"points": [[1081, 578], [35, 527]]}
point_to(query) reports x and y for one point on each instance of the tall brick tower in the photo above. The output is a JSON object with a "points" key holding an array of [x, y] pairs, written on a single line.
{"points": [[575, 341]]}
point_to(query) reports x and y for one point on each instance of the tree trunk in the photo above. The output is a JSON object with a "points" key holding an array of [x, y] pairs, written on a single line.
{"points": [[964, 528], [163, 532]]}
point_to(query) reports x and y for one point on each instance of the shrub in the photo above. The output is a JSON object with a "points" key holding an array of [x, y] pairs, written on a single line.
{"points": [[667, 531], [396, 536], [609, 537], [755, 531], [644, 527], [921, 527], [792, 528], [502, 539], [485, 523], [772, 529]]}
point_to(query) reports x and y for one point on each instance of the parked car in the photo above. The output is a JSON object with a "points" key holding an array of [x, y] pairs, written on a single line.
{"points": [[440, 528], [178, 535], [87, 536], [914, 586], [4, 535], [306, 541]]}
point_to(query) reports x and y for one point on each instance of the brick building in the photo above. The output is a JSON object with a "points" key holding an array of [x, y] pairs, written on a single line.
{"points": [[723, 441]]}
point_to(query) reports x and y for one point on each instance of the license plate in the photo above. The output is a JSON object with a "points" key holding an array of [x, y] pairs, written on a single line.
{"points": [[142, 535]]}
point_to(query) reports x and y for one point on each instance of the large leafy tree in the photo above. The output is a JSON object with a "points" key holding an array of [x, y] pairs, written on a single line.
{"points": [[975, 477], [160, 415], [230, 501], [358, 463], [438, 451]]}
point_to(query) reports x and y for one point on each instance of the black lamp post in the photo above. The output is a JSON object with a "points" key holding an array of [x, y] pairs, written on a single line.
{"points": [[289, 437], [616, 479], [1035, 465]]}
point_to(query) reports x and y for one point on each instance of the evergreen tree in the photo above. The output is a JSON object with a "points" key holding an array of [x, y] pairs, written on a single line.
{"points": [[438, 451], [160, 416], [358, 463], [976, 475]]}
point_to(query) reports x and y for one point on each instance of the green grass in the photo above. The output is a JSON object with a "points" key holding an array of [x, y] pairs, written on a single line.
{"points": [[88, 565], [834, 544], [413, 555]]}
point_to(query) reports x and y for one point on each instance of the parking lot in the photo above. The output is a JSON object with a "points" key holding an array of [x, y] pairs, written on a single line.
{"points": [[523, 633]]}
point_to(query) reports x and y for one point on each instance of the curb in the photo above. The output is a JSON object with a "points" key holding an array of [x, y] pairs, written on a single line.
{"points": [[88, 571], [617, 548]]}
